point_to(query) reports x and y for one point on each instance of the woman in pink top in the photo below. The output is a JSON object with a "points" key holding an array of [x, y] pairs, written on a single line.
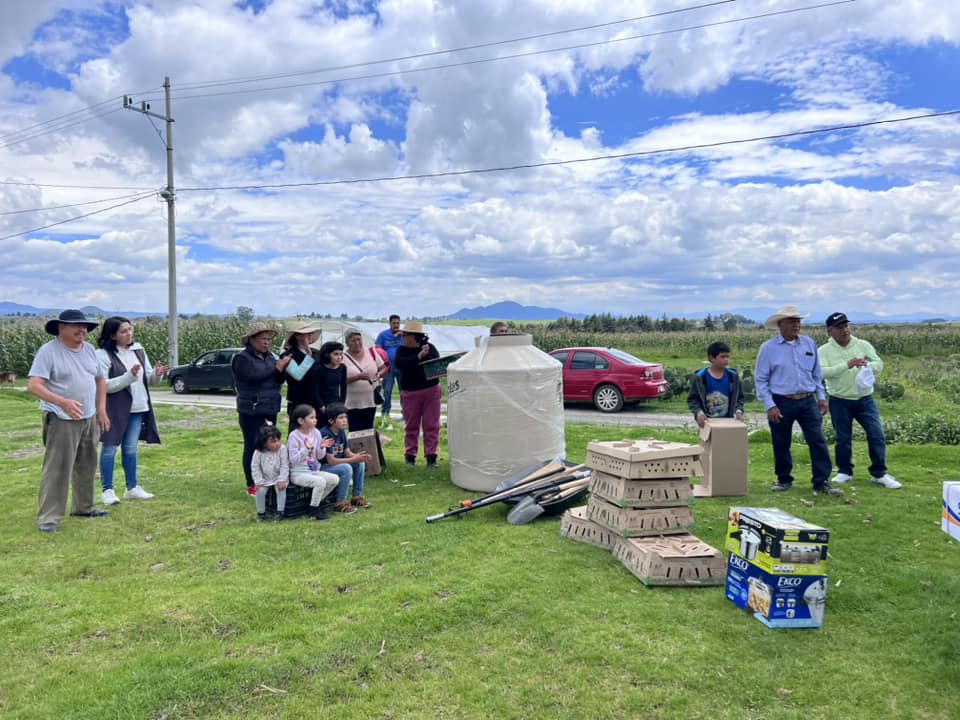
{"points": [[364, 371]]}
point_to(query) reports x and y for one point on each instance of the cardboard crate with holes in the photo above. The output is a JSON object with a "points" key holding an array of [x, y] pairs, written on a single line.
{"points": [[671, 560], [577, 526], [644, 459]]}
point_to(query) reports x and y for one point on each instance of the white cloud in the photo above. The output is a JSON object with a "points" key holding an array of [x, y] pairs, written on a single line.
{"points": [[858, 218]]}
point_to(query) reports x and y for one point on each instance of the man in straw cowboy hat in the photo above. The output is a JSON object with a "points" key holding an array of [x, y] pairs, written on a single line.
{"points": [[790, 386], [72, 388]]}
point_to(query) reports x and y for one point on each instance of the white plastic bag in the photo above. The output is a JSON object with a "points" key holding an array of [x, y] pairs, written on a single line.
{"points": [[865, 380]]}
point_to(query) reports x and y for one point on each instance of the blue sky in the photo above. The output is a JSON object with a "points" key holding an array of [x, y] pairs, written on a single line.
{"points": [[862, 219]]}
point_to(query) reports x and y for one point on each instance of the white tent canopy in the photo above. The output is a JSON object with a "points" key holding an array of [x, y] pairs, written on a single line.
{"points": [[446, 338]]}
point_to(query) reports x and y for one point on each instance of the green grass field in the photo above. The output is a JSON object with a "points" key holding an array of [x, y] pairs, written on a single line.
{"points": [[184, 607]]}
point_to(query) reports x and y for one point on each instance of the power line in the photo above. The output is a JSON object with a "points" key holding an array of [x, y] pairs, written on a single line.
{"points": [[72, 187], [72, 113], [416, 56], [261, 78], [514, 56], [61, 207], [58, 128], [595, 158], [526, 166], [79, 217]]}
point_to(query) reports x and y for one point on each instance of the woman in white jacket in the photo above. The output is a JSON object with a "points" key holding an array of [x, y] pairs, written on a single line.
{"points": [[128, 373]]}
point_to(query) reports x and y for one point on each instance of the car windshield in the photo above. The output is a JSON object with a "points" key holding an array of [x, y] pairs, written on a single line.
{"points": [[626, 357]]}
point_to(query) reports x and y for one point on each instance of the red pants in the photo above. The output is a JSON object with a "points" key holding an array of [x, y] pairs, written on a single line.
{"points": [[421, 408]]}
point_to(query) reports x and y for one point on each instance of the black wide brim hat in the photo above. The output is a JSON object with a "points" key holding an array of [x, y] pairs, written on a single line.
{"points": [[70, 317]]}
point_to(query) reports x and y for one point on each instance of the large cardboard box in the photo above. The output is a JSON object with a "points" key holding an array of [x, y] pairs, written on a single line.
{"points": [[724, 458], [368, 441], [644, 458], [951, 509], [777, 541], [778, 601], [671, 560]]}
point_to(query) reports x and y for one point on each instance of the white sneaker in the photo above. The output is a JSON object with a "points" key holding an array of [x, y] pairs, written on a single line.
{"points": [[110, 497], [888, 481], [137, 493], [841, 479]]}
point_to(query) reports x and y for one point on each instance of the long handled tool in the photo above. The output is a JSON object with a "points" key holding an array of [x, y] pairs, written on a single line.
{"points": [[527, 477], [532, 506], [577, 472]]}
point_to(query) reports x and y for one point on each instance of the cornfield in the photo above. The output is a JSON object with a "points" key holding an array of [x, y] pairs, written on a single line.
{"points": [[20, 338]]}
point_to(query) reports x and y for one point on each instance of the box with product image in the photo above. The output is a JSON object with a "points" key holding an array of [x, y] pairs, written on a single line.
{"points": [[368, 441], [724, 458], [950, 522], [778, 601], [776, 541]]}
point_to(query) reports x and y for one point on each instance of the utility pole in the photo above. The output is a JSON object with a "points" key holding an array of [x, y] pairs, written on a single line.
{"points": [[167, 194]]}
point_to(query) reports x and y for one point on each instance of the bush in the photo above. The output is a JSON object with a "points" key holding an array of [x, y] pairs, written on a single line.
{"points": [[923, 430], [889, 390]]}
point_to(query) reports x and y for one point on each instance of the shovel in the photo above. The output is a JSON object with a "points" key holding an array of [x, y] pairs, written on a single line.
{"points": [[574, 473], [528, 477], [531, 507]]}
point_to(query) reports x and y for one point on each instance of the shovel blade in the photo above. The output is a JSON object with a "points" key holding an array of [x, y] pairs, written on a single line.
{"points": [[527, 510]]}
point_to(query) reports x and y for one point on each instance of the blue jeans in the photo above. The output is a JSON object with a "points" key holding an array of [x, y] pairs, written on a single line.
{"points": [[864, 410], [806, 413], [128, 454], [388, 381], [347, 471]]}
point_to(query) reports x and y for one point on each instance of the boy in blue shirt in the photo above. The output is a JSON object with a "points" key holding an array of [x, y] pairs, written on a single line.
{"points": [[716, 390], [343, 462]]}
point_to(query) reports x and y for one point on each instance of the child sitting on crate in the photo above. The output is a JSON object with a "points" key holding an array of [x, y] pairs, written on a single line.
{"points": [[340, 459], [270, 469], [716, 390], [305, 447]]}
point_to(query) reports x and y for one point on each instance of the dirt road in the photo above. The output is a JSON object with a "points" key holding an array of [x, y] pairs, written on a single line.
{"points": [[642, 416]]}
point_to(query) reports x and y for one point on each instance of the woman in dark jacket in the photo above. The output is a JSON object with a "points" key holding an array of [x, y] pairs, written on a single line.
{"points": [[420, 398], [257, 376], [301, 385], [330, 377]]}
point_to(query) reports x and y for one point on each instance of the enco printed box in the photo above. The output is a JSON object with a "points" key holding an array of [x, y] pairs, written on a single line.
{"points": [[776, 541], [950, 522], [778, 601]]}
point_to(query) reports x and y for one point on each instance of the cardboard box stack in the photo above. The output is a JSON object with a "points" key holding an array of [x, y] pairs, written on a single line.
{"points": [[640, 509], [777, 567]]}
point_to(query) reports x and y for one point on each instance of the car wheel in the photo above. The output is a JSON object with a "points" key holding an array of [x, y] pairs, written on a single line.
{"points": [[608, 399], [179, 385]]}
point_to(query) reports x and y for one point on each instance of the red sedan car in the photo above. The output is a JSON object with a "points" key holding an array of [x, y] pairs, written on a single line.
{"points": [[608, 377]]}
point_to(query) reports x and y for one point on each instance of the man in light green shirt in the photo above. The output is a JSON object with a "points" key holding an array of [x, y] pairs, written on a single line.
{"points": [[841, 359]]}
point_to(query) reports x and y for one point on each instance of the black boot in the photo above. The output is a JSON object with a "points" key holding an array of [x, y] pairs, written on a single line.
{"points": [[411, 459], [432, 461], [261, 517], [319, 512]]}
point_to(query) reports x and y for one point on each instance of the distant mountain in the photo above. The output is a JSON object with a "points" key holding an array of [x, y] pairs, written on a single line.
{"points": [[817, 316], [512, 311], [11, 308]]}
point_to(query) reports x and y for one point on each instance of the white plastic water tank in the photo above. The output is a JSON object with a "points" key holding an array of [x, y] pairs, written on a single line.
{"points": [[504, 411]]}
